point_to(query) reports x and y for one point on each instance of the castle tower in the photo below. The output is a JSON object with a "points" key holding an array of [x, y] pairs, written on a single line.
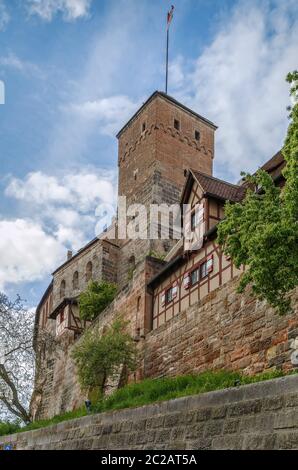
{"points": [[161, 140]]}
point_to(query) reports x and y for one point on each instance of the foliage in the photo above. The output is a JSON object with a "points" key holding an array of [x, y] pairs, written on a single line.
{"points": [[262, 232], [155, 254], [101, 357], [96, 298], [157, 390], [8, 427]]}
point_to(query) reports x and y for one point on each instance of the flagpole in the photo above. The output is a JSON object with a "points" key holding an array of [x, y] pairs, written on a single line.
{"points": [[169, 19], [167, 60]]}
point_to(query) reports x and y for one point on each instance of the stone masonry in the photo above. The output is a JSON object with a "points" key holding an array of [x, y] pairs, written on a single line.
{"points": [[152, 163], [225, 330], [256, 416], [57, 387]]}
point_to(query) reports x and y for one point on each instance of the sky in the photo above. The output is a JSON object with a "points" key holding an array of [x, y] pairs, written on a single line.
{"points": [[74, 71]]}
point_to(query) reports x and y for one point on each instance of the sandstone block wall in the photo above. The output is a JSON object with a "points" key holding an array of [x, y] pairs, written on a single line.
{"points": [[104, 258], [257, 416], [57, 389], [224, 330]]}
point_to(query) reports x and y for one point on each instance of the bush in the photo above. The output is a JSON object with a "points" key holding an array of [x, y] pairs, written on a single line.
{"points": [[95, 299], [100, 357], [7, 427]]}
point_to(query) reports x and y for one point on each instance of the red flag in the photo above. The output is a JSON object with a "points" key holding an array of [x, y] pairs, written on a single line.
{"points": [[170, 16]]}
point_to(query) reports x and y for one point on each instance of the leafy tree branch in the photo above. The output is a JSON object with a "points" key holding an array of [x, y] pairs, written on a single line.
{"points": [[261, 233]]}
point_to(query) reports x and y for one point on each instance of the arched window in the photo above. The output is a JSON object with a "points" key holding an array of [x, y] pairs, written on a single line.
{"points": [[62, 289], [88, 271], [75, 280]]}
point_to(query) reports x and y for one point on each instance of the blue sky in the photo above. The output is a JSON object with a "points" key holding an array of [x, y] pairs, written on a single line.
{"points": [[75, 70]]}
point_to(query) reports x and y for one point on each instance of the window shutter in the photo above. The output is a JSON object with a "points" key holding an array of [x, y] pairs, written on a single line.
{"points": [[209, 263], [186, 281], [163, 299]]}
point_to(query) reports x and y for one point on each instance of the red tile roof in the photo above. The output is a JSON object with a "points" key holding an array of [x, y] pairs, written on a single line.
{"points": [[217, 188]]}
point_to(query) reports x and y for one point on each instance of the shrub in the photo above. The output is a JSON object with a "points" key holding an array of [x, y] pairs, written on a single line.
{"points": [[8, 427], [100, 357], [95, 299]]}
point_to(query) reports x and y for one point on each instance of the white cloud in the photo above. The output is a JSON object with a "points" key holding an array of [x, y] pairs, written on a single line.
{"points": [[62, 215], [82, 191], [66, 205], [38, 188], [239, 83], [71, 10], [4, 16], [12, 61], [176, 73], [110, 113], [27, 252]]}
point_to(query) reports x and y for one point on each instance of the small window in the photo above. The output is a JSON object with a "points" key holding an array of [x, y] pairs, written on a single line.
{"points": [[194, 276], [177, 124], [197, 135], [169, 295], [75, 280], [193, 221], [204, 270], [88, 271], [143, 126], [62, 289], [138, 303], [197, 217]]}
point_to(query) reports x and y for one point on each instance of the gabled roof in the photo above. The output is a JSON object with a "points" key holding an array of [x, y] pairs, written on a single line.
{"points": [[213, 187], [171, 100], [275, 165], [275, 162]]}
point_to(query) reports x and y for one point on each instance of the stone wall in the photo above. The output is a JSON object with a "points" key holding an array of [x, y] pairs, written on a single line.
{"points": [[257, 416], [225, 330], [56, 386], [102, 254]]}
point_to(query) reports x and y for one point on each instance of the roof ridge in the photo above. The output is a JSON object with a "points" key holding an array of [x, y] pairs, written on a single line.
{"points": [[216, 179]]}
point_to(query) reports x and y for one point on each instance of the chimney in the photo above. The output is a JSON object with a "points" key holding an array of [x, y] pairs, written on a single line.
{"points": [[69, 255]]}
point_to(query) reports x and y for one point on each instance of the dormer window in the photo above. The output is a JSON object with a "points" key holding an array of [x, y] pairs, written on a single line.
{"points": [[197, 216], [143, 126], [177, 124], [197, 135]]}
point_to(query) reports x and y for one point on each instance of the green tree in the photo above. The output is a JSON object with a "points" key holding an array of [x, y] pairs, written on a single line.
{"points": [[262, 231], [100, 357], [95, 299]]}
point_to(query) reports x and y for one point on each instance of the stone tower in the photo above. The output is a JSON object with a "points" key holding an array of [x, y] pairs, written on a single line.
{"points": [[161, 140]]}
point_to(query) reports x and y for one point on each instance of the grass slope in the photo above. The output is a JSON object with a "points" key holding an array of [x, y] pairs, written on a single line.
{"points": [[153, 391]]}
